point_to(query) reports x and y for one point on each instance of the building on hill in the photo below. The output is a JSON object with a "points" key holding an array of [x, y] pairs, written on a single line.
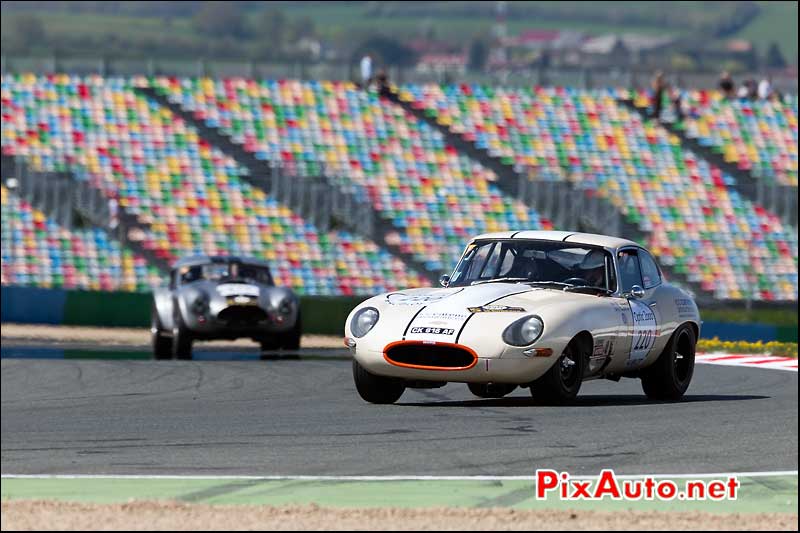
{"points": [[624, 50]]}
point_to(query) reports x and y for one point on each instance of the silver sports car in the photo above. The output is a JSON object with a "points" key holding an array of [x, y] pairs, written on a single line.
{"points": [[222, 298]]}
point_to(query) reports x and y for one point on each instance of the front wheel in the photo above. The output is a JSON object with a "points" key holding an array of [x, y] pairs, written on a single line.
{"points": [[491, 390], [560, 385], [181, 339], [669, 377], [376, 389], [162, 345], [291, 339]]}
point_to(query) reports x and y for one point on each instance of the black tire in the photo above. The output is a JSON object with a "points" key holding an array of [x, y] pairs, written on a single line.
{"points": [[181, 339], [493, 390], [376, 389], [162, 345], [269, 344], [560, 384], [291, 339], [670, 375]]}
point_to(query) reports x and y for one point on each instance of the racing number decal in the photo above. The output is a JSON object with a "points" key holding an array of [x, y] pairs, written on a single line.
{"points": [[645, 330], [645, 339]]}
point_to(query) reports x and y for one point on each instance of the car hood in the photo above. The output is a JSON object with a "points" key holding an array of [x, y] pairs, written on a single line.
{"points": [[441, 314]]}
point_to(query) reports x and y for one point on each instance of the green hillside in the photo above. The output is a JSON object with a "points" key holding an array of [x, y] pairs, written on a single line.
{"points": [[170, 29]]}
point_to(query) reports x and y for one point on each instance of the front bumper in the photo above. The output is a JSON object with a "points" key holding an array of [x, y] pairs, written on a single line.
{"points": [[233, 322], [517, 370]]}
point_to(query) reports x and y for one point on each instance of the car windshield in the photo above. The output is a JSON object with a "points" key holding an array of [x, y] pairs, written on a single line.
{"points": [[565, 265], [226, 271]]}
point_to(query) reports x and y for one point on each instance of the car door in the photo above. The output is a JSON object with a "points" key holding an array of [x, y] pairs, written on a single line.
{"points": [[644, 319]]}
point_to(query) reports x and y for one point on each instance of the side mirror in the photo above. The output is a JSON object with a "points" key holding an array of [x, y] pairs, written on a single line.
{"points": [[635, 292], [444, 281]]}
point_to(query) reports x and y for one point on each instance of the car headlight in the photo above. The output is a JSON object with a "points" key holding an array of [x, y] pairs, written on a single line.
{"points": [[524, 331], [200, 304], [363, 321], [285, 307]]}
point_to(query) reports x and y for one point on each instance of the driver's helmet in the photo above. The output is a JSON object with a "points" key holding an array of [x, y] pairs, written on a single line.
{"points": [[593, 267], [190, 273], [524, 267]]}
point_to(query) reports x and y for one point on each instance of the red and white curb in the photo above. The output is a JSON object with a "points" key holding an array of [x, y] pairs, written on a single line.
{"points": [[749, 360]]}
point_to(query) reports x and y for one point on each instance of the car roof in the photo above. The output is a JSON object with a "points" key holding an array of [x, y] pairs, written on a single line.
{"points": [[196, 260], [592, 239]]}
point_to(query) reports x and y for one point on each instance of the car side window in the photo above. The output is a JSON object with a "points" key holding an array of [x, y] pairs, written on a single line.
{"points": [[650, 274], [630, 272]]}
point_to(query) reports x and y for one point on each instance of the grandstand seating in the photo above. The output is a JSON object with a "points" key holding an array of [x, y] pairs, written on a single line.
{"points": [[191, 193], [758, 136], [697, 222], [193, 196], [36, 251], [437, 197]]}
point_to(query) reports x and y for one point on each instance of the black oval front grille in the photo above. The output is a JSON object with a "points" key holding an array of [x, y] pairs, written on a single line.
{"points": [[242, 314], [430, 355]]}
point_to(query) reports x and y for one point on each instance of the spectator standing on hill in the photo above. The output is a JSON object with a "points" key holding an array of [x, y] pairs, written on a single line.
{"points": [[726, 85], [113, 213], [677, 103], [765, 88], [383, 84], [748, 90], [659, 87], [366, 70]]}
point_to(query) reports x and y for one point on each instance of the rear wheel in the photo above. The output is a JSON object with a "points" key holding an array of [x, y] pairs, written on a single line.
{"points": [[560, 385], [181, 339], [376, 389], [162, 345], [491, 390], [669, 377]]}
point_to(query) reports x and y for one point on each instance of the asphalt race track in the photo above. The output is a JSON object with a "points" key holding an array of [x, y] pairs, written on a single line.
{"points": [[304, 417]]}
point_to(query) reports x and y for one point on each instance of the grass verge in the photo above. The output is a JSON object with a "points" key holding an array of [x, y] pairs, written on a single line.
{"points": [[783, 349]]}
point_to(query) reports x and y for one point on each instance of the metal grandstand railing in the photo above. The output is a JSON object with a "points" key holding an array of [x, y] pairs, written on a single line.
{"points": [[49, 192], [319, 201], [72, 203], [329, 200], [779, 199], [572, 207]]}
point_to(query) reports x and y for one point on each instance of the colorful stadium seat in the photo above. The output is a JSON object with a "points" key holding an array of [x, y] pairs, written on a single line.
{"points": [[159, 169], [696, 221], [36, 251], [436, 197]]}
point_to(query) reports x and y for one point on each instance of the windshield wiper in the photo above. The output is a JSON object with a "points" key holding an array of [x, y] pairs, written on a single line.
{"points": [[498, 280], [556, 283], [581, 287]]}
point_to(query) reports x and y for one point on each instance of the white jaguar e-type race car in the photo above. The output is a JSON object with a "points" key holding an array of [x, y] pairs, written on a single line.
{"points": [[539, 309]]}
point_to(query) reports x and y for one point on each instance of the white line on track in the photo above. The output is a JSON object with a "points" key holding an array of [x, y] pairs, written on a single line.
{"points": [[388, 478]]}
